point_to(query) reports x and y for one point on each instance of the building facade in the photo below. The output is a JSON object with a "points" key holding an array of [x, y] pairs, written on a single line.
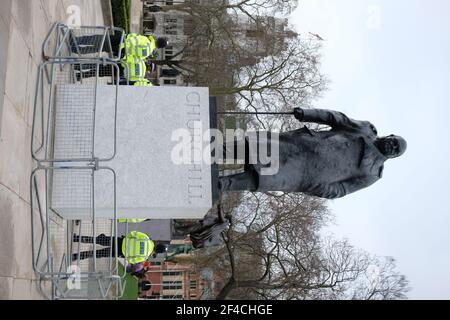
{"points": [[169, 24], [257, 38], [176, 281]]}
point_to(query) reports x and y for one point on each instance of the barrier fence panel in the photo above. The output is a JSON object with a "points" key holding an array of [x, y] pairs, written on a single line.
{"points": [[74, 248], [83, 42], [65, 108]]}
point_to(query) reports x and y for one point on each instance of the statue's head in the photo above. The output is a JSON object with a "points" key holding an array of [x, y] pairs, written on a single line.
{"points": [[391, 146]]}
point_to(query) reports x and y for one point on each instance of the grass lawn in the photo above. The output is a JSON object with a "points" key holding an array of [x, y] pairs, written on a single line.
{"points": [[121, 14], [131, 286]]}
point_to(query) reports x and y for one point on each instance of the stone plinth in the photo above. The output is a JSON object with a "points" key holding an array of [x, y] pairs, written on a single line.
{"points": [[149, 183]]}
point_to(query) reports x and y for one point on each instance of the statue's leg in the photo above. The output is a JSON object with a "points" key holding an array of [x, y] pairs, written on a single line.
{"points": [[237, 151], [246, 181]]}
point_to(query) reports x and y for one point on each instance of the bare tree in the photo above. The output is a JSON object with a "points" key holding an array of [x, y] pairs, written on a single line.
{"points": [[279, 82], [269, 68], [274, 250], [380, 282], [262, 229], [250, 8]]}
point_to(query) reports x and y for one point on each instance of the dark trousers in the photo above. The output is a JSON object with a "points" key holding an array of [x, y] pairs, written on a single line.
{"points": [[101, 240], [91, 44], [247, 180]]}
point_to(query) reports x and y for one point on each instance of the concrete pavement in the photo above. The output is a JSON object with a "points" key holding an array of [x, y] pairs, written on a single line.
{"points": [[136, 16], [23, 27]]}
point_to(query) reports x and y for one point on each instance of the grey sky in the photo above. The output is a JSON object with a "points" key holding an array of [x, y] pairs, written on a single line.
{"points": [[389, 63]]}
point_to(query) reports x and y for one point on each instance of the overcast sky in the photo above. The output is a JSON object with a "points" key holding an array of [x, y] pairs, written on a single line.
{"points": [[389, 63]]}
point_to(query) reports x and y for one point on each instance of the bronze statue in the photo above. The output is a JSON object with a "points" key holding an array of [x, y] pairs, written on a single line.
{"points": [[206, 232], [327, 164]]}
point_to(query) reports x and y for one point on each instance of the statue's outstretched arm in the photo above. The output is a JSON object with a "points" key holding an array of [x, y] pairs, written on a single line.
{"points": [[331, 118]]}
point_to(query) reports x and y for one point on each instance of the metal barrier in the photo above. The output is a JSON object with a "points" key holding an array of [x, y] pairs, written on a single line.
{"points": [[65, 105], [67, 250], [75, 246], [83, 42]]}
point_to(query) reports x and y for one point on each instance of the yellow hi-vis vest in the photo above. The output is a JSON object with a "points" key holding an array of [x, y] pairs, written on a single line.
{"points": [[135, 68], [143, 83], [139, 46], [133, 220], [137, 247]]}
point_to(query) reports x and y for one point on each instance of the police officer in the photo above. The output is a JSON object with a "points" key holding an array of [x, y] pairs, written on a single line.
{"points": [[142, 46], [133, 68], [137, 81], [142, 83], [134, 44], [135, 247]]}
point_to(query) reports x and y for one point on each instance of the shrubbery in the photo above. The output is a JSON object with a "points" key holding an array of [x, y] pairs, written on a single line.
{"points": [[121, 14]]}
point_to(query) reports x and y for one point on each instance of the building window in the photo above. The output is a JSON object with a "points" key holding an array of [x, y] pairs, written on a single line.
{"points": [[170, 73], [170, 26], [193, 284], [172, 285], [170, 30], [168, 52], [172, 273], [170, 82], [170, 21]]}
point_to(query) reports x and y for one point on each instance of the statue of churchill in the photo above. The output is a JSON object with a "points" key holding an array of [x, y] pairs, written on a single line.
{"points": [[327, 164]]}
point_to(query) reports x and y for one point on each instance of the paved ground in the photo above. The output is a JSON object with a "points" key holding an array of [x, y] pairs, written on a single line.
{"points": [[137, 11], [23, 27]]}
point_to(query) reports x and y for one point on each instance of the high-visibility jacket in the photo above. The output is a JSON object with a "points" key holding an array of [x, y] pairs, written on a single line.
{"points": [[133, 220], [137, 247], [139, 46], [135, 68], [143, 83]]}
